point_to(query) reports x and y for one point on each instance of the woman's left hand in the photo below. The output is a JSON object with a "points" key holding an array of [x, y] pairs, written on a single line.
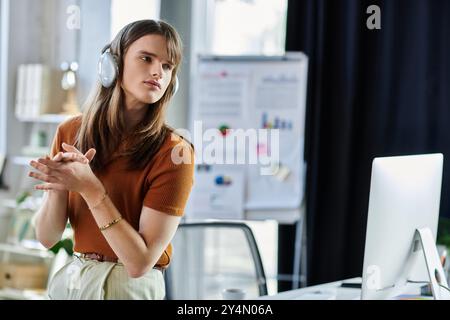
{"points": [[71, 175]]}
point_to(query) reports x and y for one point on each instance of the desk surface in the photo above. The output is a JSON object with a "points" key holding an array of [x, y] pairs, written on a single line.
{"points": [[329, 291], [321, 291]]}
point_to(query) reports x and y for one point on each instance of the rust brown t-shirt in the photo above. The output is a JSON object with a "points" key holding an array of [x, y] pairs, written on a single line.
{"points": [[162, 185]]}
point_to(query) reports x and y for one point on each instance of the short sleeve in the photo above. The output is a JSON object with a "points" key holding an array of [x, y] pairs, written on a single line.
{"points": [[56, 144], [171, 179], [66, 132]]}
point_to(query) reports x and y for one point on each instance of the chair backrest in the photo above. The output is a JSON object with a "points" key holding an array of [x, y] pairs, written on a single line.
{"points": [[209, 257]]}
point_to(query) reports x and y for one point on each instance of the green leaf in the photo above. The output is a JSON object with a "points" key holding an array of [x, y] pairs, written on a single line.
{"points": [[22, 197], [65, 244]]}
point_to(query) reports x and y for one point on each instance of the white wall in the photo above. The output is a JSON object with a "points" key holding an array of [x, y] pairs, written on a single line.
{"points": [[95, 34]]}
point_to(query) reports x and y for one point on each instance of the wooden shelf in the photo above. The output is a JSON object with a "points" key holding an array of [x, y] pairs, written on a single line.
{"points": [[16, 294], [8, 203], [18, 249]]}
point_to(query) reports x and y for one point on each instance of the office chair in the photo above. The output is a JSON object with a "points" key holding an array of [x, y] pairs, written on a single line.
{"points": [[209, 257]]}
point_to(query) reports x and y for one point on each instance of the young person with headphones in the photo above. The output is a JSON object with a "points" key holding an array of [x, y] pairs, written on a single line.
{"points": [[115, 173]]}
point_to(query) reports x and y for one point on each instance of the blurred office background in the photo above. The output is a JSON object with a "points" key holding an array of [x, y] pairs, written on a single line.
{"points": [[371, 92]]}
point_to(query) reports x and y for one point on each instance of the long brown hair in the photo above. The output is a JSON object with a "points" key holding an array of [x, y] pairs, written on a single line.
{"points": [[103, 124]]}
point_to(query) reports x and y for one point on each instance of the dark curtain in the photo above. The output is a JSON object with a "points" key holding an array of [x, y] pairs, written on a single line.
{"points": [[370, 93]]}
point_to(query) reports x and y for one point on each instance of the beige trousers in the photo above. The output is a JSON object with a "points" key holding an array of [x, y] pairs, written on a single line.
{"points": [[83, 279]]}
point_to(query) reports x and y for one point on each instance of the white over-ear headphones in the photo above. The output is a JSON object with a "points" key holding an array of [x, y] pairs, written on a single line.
{"points": [[108, 70]]}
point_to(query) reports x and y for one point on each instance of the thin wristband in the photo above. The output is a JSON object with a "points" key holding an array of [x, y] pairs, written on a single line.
{"points": [[106, 226], [101, 200]]}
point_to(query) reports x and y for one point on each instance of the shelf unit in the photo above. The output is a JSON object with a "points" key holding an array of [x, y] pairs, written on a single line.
{"points": [[23, 294], [8, 203], [16, 294], [22, 250], [46, 118], [21, 161]]}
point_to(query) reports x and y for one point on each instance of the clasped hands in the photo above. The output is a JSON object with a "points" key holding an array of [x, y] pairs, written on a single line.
{"points": [[66, 171]]}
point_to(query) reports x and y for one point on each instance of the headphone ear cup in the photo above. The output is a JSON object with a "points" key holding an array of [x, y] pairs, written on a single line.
{"points": [[107, 69]]}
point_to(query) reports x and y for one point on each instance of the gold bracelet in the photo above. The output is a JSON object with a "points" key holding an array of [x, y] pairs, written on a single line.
{"points": [[106, 226], [101, 200]]}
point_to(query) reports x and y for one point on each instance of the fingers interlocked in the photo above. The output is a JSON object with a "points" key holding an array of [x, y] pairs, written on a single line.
{"points": [[47, 170], [52, 171]]}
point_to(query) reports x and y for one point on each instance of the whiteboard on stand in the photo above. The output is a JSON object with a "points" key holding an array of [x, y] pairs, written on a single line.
{"points": [[248, 93]]}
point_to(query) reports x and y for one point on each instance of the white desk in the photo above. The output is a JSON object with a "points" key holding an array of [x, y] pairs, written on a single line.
{"points": [[341, 293], [329, 291]]}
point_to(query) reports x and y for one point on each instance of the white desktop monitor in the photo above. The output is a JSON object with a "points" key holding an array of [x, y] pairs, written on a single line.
{"points": [[405, 194]]}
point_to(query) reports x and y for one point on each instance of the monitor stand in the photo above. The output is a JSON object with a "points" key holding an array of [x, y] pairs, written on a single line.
{"points": [[424, 238]]}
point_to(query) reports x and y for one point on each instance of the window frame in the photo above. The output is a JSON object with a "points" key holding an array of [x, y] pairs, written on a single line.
{"points": [[114, 25], [209, 10]]}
